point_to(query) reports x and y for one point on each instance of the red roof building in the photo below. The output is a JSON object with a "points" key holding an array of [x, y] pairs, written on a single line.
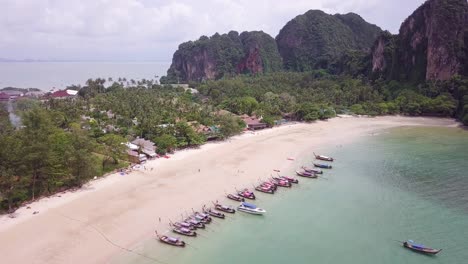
{"points": [[60, 94], [4, 97]]}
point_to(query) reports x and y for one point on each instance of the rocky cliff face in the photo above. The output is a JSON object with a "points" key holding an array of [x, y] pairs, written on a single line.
{"points": [[431, 44], [224, 55], [315, 39]]}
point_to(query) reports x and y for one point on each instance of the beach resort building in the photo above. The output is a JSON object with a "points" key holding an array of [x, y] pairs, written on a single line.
{"points": [[146, 147], [4, 97], [253, 122]]}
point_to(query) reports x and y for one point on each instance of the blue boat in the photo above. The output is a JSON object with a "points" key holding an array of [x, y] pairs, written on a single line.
{"points": [[420, 248], [323, 166], [250, 208]]}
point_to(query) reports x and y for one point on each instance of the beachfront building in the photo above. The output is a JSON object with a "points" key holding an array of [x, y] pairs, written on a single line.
{"points": [[210, 132], [63, 94], [4, 96], [146, 147], [134, 157], [253, 122]]}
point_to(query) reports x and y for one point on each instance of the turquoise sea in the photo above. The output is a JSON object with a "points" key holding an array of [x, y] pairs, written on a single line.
{"points": [[404, 183]]}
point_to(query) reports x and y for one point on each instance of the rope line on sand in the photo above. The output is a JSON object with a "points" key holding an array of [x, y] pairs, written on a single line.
{"points": [[112, 242]]}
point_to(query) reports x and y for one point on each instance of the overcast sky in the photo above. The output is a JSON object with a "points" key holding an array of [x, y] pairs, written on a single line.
{"points": [[152, 29]]}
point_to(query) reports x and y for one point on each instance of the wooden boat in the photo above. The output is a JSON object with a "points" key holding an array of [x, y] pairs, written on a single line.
{"points": [[224, 208], [306, 174], [420, 248], [195, 223], [270, 185], [202, 219], [289, 179], [264, 189], [235, 198], [312, 170], [281, 182], [171, 240], [323, 166], [213, 213], [183, 225], [246, 194], [184, 231], [322, 157], [250, 208]]}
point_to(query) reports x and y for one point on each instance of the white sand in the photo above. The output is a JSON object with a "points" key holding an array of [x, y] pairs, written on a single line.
{"points": [[126, 208]]}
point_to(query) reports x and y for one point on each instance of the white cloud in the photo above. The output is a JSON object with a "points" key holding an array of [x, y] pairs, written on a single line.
{"points": [[152, 29]]}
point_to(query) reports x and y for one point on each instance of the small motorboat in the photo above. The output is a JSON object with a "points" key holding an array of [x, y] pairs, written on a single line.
{"points": [[323, 166], [250, 208], [246, 194], [313, 170], [306, 174], [264, 189], [183, 225], [171, 240], [289, 179], [281, 182], [322, 157], [184, 231], [214, 213], [235, 197], [224, 208], [420, 248]]}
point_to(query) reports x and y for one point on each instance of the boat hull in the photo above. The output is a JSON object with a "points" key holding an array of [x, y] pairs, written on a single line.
{"points": [[250, 211], [427, 251]]}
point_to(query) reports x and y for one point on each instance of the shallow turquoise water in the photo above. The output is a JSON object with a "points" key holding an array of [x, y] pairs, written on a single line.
{"points": [[405, 183]]}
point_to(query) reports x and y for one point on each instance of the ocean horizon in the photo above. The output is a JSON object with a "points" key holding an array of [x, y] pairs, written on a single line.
{"points": [[47, 75]]}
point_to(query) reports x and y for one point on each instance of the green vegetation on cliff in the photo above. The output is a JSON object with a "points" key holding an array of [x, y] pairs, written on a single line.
{"points": [[315, 39], [223, 56]]}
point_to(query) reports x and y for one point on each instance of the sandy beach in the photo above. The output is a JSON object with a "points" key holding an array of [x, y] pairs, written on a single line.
{"points": [[72, 227]]}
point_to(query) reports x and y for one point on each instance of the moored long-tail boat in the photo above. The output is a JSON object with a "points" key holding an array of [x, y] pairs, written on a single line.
{"points": [[213, 213], [171, 240], [246, 194], [184, 231], [264, 189], [323, 166], [204, 220], [270, 185], [322, 157], [306, 174], [289, 179], [224, 208], [312, 170], [281, 182], [420, 248], [195, 222], [183, 225], [235, 197]]}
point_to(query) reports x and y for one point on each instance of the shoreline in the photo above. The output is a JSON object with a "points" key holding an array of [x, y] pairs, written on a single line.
{"points": [[117, 205]]}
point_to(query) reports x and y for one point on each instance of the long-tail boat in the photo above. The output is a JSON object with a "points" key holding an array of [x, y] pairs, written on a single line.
{"points": [[322, 157], [205, 218], [183, 225], [270, 185], [246, 194], [213, 213], [235, 198], [281, 182], [312, 170], [184, 231], [323, 166], [194, 222], [306, 174], [420, 248], [224, 208], [289, 179], [264, 189], [171, 240]]}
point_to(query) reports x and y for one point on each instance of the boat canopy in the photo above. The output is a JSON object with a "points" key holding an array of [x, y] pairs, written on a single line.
{"points": [[249, 205]]}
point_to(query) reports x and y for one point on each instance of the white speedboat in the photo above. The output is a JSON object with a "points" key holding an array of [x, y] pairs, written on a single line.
{"points": [[250, 208]]}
